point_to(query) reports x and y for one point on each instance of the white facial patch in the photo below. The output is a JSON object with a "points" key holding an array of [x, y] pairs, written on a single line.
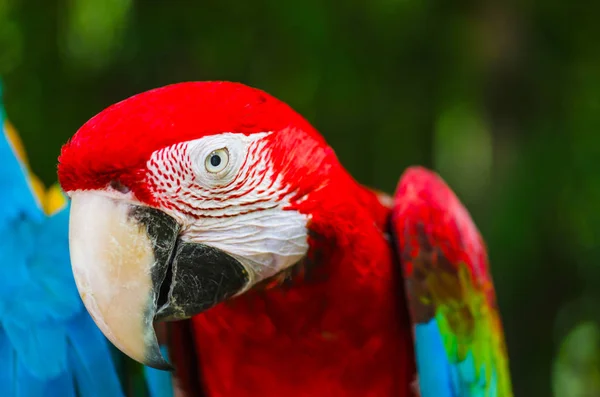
{"points": [[265, 242], [239, 208]]}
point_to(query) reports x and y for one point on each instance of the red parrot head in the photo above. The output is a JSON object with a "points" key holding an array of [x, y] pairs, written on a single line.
{"points": [[182, 197]]}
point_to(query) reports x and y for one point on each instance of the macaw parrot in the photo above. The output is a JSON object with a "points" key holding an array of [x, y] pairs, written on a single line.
{"points": [[49, 344], [217, 208]]}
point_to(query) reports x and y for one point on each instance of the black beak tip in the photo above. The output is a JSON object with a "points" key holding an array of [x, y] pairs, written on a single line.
{"points": [[160, 363], [165, 367], [156, 360]]}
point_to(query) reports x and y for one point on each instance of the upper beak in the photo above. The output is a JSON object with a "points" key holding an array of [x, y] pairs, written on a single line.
{"points": [[132, 269]]}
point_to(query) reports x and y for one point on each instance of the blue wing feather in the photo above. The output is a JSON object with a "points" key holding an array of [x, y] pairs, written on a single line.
{"points": [[90, 360], [159, 382], [40, 310], [49, 345], [62, 383], [459, 343], [435, 374], [27, 385], [439, 376], [8, 358], [42, 348]]}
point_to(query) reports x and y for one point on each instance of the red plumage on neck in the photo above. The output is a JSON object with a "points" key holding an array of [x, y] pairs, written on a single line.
{"points": [[341, 330]]}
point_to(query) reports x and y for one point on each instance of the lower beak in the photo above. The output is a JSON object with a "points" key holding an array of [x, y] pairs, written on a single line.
{"points": [[132, 269]]}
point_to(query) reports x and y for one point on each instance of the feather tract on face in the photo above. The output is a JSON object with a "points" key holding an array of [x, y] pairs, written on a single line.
{"points": [[218, 209]]}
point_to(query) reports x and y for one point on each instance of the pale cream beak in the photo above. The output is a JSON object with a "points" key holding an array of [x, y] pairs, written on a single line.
{"points": [[132, 270], [114, 260]]}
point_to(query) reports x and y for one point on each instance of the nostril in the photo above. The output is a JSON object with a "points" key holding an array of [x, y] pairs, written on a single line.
{"points": [[118, 186]]}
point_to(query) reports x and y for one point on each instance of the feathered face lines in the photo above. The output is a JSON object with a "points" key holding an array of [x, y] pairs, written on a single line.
{"points": [[179, 190], [215, 177], [216, 211], [118, 142]]}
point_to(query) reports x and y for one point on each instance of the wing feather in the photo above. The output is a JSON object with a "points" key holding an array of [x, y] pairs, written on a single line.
{"points": [[38, 297], [459, 341]]}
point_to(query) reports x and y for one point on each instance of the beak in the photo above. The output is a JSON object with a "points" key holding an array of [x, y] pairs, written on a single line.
{"points": [[132, 270]]}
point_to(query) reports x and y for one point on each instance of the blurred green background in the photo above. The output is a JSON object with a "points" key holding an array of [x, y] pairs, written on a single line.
{"points": [[501, 97]]}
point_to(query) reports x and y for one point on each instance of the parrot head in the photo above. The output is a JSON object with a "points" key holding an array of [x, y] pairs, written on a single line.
{"points": [[182, 197]]}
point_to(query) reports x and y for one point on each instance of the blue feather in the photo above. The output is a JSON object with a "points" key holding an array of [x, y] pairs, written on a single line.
{"points": [[49, 345], [435, 374], [90, 359], [27, 385], [439, 376], [8, 358], [159, 382], [62, 382]]}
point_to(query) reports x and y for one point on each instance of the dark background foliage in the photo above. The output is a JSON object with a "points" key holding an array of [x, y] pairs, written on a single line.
{"points": [[500, 97]]}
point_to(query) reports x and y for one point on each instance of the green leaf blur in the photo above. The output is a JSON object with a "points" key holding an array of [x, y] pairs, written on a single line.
{"points": [[502, 98]]}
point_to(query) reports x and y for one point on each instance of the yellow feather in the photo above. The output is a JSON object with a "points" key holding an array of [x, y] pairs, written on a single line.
{"points": [[51, 200], [38, 188], [15, 141], [55, 199]]}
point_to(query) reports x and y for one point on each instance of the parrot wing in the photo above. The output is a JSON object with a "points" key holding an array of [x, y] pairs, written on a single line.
{"points": [[459, 343], [49, 345], [46, 334]]}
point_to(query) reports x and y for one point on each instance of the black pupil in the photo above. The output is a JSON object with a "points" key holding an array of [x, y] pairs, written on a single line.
{"points": [[215, 160]]}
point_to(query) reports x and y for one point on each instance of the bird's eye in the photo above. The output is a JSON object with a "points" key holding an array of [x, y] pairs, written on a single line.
{"points": [[217, 161]]}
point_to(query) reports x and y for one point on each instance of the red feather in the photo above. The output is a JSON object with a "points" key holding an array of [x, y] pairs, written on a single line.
{"points": [[450, 290], [422, 195], [117, 142], [341, 328]]}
